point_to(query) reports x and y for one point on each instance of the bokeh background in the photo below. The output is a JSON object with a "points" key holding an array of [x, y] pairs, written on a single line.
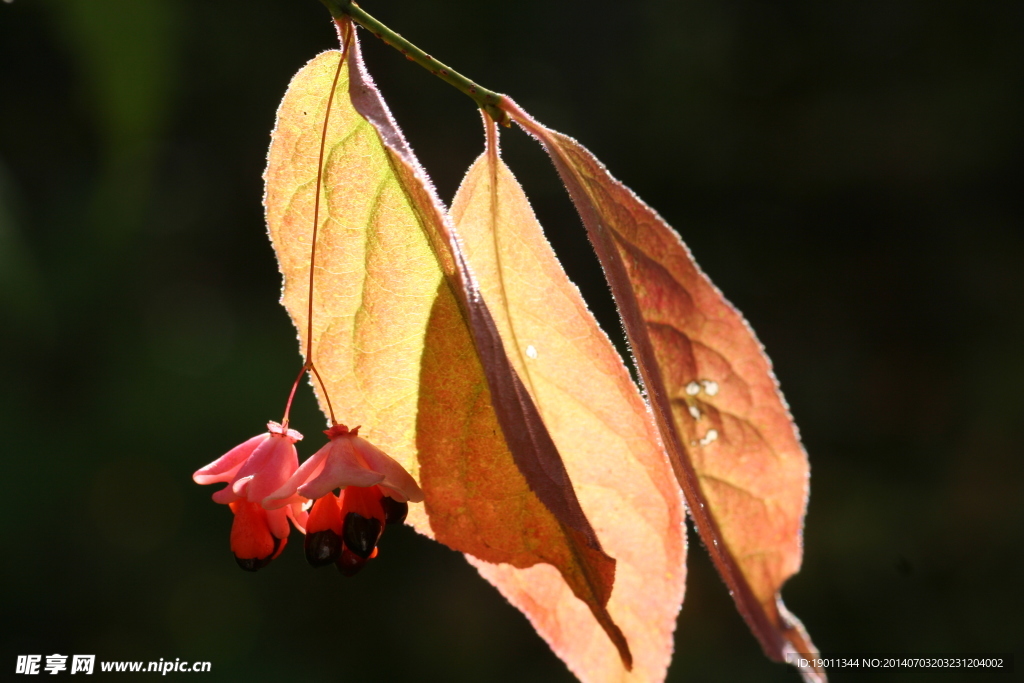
{"points": [[849, 173]]}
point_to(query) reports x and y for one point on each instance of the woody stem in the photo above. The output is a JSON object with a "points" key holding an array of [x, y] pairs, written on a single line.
{"points": [[488, 100]]}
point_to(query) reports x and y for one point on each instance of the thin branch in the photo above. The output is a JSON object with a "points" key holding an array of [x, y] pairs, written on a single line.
{"points": [[488, 100]]}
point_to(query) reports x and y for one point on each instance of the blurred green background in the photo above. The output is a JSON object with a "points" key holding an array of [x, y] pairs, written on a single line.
{"points": [[849, 173]]}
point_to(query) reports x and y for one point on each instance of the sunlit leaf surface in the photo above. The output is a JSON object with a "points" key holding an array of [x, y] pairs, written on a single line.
{"points": [[734, 447], [601, 427], [408, 349]]}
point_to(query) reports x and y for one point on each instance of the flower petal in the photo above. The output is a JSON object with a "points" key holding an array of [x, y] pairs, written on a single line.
{"points": [[299, 517], [306, 471], [261, 456], [395, 476], [281, 462], [277, 521], [250, 533], [240, 485], [226, 466], [225, 496], [343, 468], [393, 494]]}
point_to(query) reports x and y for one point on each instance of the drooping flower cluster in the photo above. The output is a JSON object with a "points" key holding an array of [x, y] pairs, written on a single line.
{"points": [[267, 488]]}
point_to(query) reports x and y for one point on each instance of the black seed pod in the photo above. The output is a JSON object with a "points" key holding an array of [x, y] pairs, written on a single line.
{"points": [[349, 563], [394, 512], [252, 564], [361, 533], [322, 548]]}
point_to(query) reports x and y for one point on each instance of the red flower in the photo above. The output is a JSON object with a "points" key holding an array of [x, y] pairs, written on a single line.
{"points": [[344, 529], [347, 460], [253, 470]]}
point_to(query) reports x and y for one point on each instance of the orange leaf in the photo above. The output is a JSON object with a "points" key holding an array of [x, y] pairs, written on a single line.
{"points": [[600, 424], [523, 429], [731, 439], [478, 501], [405, 343]]}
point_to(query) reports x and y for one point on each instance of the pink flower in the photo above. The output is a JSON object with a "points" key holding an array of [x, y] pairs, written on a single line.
{"points": [[347, 460], [344, 530], [253, 470]]}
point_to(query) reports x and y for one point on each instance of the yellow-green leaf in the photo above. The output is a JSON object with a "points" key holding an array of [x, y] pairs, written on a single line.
{"points": [[405, 344]]}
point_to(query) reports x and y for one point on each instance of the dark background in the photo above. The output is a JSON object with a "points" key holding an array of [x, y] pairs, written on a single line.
{"points": [[849, 173]]}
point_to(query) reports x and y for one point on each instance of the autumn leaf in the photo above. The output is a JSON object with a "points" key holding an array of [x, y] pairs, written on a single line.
{"points": [[600, 424], [728, 431], [408, 349], [523, 430], [729, 437]]}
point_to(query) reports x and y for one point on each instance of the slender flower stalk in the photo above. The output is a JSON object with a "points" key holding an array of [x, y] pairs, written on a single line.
{"points": [[309, 366], [261, 465], [267, 490]]}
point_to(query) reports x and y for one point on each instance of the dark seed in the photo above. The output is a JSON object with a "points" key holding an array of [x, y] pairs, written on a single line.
{"points": [[322, 548], [394, 512], [361, 534], [252, 564], [349, 563]]}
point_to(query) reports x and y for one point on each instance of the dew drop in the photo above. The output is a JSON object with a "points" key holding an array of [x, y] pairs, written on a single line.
{"points": [[710, 386], [694, 412], [709, 437], [531, 351], [692, 389]]}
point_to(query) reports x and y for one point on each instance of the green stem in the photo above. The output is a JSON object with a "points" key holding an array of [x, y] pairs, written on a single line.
{"points": [[485, 99]]}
